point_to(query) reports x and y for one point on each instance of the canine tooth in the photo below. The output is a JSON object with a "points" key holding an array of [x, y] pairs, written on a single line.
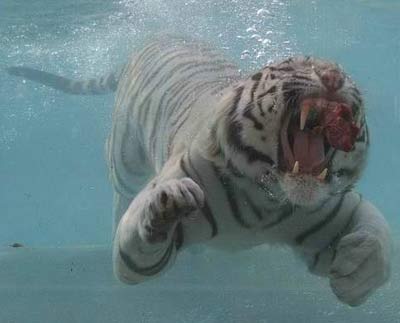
{"points": [[305, 110], [323, 174], [296, 167]]}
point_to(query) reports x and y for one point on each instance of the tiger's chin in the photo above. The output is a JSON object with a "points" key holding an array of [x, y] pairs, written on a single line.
{"points": [[304, 189]]}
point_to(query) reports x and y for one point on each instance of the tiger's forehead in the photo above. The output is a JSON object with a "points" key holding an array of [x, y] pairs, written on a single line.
{"points": [[306, 63]]}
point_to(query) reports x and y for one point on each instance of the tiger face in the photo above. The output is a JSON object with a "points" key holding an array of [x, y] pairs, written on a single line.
{"points": [[300, 124]]}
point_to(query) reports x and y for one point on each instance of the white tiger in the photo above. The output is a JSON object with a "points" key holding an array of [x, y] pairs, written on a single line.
{"points": [[200, 154]]}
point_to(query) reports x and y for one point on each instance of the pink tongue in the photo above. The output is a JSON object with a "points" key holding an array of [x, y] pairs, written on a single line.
{"points": [[308, 150]]}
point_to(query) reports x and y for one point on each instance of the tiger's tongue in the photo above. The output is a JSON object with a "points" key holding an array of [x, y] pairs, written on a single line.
{"points": [[308, 150]]}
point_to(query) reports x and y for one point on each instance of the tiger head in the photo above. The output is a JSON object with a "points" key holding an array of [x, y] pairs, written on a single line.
{"points": [[298, 123]]}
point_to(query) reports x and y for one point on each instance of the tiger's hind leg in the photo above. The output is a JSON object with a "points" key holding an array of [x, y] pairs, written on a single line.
{"points": [[129, 170], [122, 199]]}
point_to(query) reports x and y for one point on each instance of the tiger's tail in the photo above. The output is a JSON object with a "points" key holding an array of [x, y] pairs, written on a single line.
{"points": [[102, 85]]}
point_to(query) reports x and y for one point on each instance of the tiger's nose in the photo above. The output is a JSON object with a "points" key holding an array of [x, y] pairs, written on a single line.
{"points": [[332, 79]]}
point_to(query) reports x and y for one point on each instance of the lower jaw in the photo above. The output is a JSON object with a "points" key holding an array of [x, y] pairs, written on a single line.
{"points": [[303, 189]]}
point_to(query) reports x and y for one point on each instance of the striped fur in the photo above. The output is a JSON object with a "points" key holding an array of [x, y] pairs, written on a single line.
{"points": [[102, 85], [194, 157]]}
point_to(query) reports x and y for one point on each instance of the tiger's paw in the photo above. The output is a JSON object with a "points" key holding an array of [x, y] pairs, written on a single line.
{"points": [[166, 205], [361, 265]]}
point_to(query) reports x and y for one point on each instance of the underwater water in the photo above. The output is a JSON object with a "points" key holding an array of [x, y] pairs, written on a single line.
{"points": [[55, 197]]}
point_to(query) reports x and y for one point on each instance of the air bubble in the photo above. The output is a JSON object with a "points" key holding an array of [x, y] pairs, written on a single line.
{"points": [[260, 54], [266, 41], [255, 36], [251, 29], [245, 54], [262, 12]]}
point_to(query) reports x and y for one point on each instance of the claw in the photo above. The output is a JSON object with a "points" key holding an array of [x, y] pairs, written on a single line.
{"points": [[296, 168], [323, 174]]}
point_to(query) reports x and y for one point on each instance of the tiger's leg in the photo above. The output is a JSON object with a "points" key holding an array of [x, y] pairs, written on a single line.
{"points": [[358, 260], [120, 205], [362, 257], [146, 241], [121, 201], [129, 170]]}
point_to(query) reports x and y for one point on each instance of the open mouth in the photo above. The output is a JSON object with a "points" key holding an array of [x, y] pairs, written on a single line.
{"points": [[311, 134]]}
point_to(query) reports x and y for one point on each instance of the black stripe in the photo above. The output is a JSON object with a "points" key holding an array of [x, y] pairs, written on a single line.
{"points": [[143, 113], [356, 97], [147, 271], [195, 90], [179, 96], [206, 210], [156, 122], [302, 77], [111, 82], [320, 206], [162, 64], [271, 90], [167, 93], [287, 211], [249, 115], [187, 87], [290, 95], [282, 69], [303, 85], [254, 208], [234, 129], [234, 138], [143, 81], [216, 69], [320, 225], [130, 71], [176, 130], [231, 197], [257, 76], [177, 67], [179, 236], [168, 75], [199, 64], [348, 172], [286, 61], [158, 64], [91, 86], [182, 117], [261, 96], [233, 169], [141, 59], [126, 189], [332, 243], [314, 264], [362, 138], [236, 100], [357, 91], [254, 87]]}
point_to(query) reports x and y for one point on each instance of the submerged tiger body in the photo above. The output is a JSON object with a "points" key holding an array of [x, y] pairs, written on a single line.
{"points": [[199, 154]]}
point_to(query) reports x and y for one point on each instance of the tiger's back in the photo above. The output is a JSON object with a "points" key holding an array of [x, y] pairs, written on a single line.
{"points": [[163, 93]]}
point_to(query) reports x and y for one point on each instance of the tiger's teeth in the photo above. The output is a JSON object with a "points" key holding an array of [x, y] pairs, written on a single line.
{"points": [[305, 110], [323, 174], [296, 168]]}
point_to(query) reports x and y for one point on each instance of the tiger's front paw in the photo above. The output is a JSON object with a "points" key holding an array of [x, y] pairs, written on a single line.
{"points": [[361, 265], [166, 205]]}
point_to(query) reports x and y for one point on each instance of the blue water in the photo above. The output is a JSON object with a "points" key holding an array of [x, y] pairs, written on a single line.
{"points": [[55, 197]]}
